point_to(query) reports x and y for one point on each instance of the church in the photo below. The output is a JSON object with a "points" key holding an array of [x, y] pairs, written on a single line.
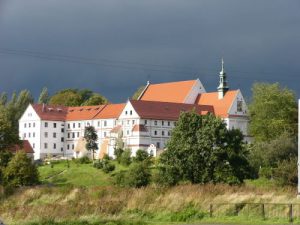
{"points": [[145, 123]]}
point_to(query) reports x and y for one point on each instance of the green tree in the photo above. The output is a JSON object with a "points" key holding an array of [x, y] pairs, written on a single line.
{"points": [[5, 157], [44, 96], [138, 175], [91, 138], [3, 99], [67, 97], [95, 99], [126, 157], [138, 92], [20, 171], [141, 155], [273, 111], [118, 153], [204, 150]]}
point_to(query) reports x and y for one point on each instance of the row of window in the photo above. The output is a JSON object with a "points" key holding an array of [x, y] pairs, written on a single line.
{"points": [[29, 124], [29, 135], [54, 146], [163, 133], [163, 123], [87, 124], [73, 134]]}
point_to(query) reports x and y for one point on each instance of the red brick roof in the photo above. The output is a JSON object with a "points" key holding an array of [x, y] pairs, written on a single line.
{"points": [[51, 112], [168, 92], [25, 146], [221, 106], [166, 110]]}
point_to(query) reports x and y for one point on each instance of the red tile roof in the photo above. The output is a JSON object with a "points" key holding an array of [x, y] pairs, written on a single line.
{"points": [[168, 92], [221, 106], [83, 112], [139, 128], [51, 112], [166, 110], [25, 146]]}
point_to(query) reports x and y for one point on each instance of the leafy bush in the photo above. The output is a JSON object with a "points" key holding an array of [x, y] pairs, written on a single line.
{"points": [[125, 159], [107, 166], [187, 214], [118, 153], [138, 175], [120, 178], [286, 172], [98, 164], [266, 172], [141, 155], [83, 160], [167, 175], [20, 171]]}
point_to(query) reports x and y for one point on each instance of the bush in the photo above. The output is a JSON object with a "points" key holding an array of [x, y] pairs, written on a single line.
{"points": [[167, 175], [83, 160], [138, 175], [118, 153], [126, 158], [98, 164], [20, 171], [187, 214], [107, 166], [286, 172], [141, 155], [120, 178]]}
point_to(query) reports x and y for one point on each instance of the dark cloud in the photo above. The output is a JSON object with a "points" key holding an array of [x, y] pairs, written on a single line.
{"points": [[165, 40]]}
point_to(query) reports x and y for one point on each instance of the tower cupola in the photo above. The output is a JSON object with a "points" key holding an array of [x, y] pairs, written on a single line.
{"points": [[223, 87]]}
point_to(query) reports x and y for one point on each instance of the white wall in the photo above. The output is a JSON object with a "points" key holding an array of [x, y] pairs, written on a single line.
{"points": [[197, 89]]}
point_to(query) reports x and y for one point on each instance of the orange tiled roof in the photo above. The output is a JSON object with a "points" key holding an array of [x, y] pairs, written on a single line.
{"points": [[83, 112], [110, 111], [221, 106], [168, 92], [139, 128], [166, 110]]}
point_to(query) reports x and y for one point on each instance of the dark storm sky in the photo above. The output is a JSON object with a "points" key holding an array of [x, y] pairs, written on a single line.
{"points": [[113, 47]]}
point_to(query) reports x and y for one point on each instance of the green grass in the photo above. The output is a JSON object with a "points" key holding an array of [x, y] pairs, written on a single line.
{"points": [[81, 175]]}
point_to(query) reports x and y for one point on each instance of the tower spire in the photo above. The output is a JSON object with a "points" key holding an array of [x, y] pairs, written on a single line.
{"points": [[223, 87]]}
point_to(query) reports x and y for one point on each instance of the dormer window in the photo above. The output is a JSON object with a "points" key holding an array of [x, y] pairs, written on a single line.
{"points": [[130, 112]]}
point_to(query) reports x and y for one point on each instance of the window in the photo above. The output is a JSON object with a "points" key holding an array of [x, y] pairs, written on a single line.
{"points": [[169, 133], [73, 135], [68, 135], [88, 124], [45, 145], [61, 149], [54, 135], [162, 123], [29, 124], [125, 112], [46, 124], [46, 134], [155, 132], [127, 122], [157, 145], [29, 135], [62, 139], [104, 134], [145, 122], [33, 124], [68, 125], [54, 125], [78, 134], [130, 112], [62, 130], [73, 125], [33, 134], [98, 123], [155, 122], [73, 146], [33, 145], [54, 146], [174, 123], [24, 125], [105, 123], [68, 147], [169, 123], [239, 106], [24, 135], [127, 132], [133, 121], [163, 133], [78, 125]]}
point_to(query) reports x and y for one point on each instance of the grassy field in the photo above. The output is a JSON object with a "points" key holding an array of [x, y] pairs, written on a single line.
{"points": [[80, 194]]}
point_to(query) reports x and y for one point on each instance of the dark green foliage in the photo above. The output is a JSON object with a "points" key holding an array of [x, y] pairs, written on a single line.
{"points": [[286, 172], [189, 213], [125, 159], [44, 96], [141, 155], [273, 111], [204, 151], [138, 92], [120, 178], [95, 99], [91, 138], [118, 153], [107, 166], [20, 171], [167, 175], [82, 160], [138, 175], [98, 164]]}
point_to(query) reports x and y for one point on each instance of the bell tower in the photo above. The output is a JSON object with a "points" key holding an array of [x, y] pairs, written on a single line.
{"points": [[223, 87]]}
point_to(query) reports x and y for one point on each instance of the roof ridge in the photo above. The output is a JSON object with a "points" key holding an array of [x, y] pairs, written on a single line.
{"points": [[100, 110]]}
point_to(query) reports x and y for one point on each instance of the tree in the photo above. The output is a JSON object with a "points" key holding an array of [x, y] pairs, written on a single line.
{"points": [[138, 175], [67, 97], [44, 96], [3, 98], [126, 157], [95, 99], [141, 155], [20, 171], [273, 111], [5, 157], [138, 92], [118, 153], [91, 138], [203, 150]]}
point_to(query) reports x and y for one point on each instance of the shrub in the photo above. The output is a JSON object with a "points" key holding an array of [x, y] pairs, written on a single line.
{"points": [[141, 155], [118, 153], [286, 172], [138, 175], [20, 171], [120, 178], [187, 214], [167, 175], [98, 164], [83, 160], [126, 158], [107, 166]]}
